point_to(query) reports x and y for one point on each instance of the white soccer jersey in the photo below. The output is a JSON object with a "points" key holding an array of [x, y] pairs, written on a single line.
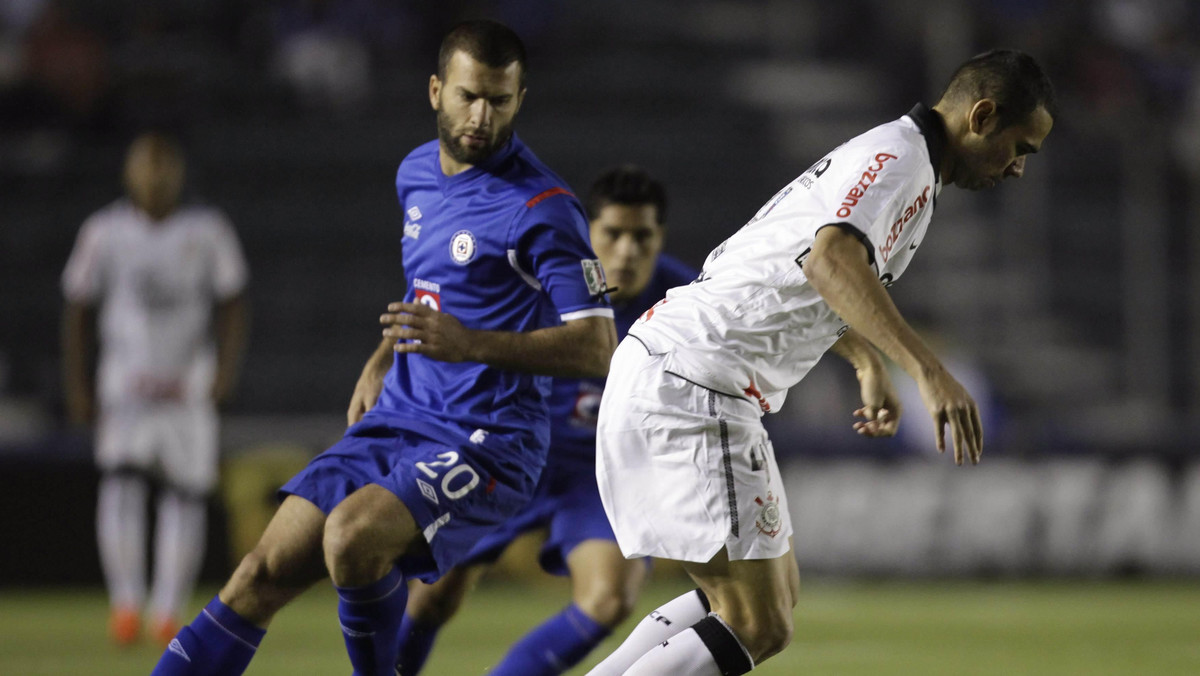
{"points": [[752, 325], [156, 284]]}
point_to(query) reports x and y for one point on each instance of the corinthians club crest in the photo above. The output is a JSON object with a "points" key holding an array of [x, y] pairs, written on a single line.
{"points": [[768, 520]]}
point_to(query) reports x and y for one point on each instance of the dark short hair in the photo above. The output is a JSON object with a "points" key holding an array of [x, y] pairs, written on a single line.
{"points": [[628, 185], [488, 42], [1013, 79]]}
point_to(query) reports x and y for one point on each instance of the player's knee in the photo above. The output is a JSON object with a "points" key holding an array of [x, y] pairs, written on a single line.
{"points": [[435, 608], [607, 604], [767, 634], [252, 587], [349, 554], [253, 573]]}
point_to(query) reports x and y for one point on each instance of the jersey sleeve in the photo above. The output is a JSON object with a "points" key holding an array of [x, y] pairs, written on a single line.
{"points": [[83, 278], [230, 272], [553, 250], [868, 189]]}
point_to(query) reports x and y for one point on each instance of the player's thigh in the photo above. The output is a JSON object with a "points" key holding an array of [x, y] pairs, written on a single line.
{"points": [[124, 439], [289, 550], [432, 605], [605, 584], [749, 592]]}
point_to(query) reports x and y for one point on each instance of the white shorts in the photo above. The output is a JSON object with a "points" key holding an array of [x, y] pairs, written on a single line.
{"points": [[684, 471], [177, 442]]}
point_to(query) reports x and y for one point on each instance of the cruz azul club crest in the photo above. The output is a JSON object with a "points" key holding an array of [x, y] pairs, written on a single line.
{"points": [[768, 520], [462, 247]]}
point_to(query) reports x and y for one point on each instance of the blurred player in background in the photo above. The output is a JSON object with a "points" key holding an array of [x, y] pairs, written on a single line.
{"points": [[165, 280], [627, 210], [685, 468], [450, 425]]}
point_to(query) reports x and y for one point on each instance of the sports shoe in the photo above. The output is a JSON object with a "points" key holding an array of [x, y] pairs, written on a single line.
{"points": [[124, 626]]}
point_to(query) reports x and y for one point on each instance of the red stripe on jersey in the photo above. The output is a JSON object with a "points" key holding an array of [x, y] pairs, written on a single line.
{"points": [[549, 193]]}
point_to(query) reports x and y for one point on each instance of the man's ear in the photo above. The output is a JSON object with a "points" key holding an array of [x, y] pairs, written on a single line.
{"points": [[984, 117], [435, 91]]}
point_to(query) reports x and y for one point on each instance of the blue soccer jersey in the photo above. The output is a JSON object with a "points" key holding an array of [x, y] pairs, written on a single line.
{"points": [[576, 401], [502, 246]]}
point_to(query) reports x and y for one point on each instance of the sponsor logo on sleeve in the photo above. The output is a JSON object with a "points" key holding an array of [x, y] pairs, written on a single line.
{"points": [[414, 213], [462, 247], [814, 172], [593, 276], [910, 212], [864, 184]]}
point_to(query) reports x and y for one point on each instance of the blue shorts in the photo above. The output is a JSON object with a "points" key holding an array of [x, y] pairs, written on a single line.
{"points": [[456, 490], [567, 502]]}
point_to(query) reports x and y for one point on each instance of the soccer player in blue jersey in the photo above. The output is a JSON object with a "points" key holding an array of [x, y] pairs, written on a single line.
{"points": [[503, 292], [627, 210]]}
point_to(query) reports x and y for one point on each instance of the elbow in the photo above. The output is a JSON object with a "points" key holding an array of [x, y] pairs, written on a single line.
{"points": [[600, 352]]}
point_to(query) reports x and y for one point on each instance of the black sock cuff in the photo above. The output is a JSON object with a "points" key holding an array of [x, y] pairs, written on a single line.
{"points": [[703, 600], [727, 651]]}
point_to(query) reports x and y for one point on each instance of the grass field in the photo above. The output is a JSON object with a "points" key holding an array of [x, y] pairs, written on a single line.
{"points": [[1008, 628]]}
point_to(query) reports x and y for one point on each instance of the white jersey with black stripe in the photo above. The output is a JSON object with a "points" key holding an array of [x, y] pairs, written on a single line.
{"points": [[752, 325]]}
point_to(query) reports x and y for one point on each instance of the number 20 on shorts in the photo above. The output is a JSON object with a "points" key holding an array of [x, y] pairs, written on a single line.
{"points": [[450, 459]]}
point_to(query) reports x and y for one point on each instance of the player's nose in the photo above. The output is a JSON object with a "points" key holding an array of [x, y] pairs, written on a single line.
{"points": [[481, 113], [1017, 168]]}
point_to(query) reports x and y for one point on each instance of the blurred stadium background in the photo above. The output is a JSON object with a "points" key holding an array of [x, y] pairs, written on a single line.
{"points": [[1069, 301]]}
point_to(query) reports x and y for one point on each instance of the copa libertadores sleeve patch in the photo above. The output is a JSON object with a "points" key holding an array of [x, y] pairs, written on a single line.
{"points": [[593, 276]]}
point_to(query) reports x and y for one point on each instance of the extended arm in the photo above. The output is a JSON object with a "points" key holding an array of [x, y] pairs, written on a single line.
{"points": [[231, 324], [78, 344], [578, 348], [838, 269]]}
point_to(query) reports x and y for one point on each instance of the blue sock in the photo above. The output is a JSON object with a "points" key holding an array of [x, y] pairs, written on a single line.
{"points": [[370, 618], [219, 642], [555, 646], [416, 642]]}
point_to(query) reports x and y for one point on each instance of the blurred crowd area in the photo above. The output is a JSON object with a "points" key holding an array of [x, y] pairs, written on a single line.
{"points": [[1069, 301]]}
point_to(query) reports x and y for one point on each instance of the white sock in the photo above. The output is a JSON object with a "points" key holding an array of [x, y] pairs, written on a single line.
{"points": [[666, 621], [709, 648], [179, 540], [121, 535]]}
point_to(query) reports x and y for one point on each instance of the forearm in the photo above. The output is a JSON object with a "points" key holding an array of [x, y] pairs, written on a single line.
{"points": [[857, 350], [579, 348], [838, 270], [381, 359]]}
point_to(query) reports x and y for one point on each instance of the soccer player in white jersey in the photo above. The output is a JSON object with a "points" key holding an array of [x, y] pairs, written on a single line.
{"points": [[685, 469], [157, 279]]}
